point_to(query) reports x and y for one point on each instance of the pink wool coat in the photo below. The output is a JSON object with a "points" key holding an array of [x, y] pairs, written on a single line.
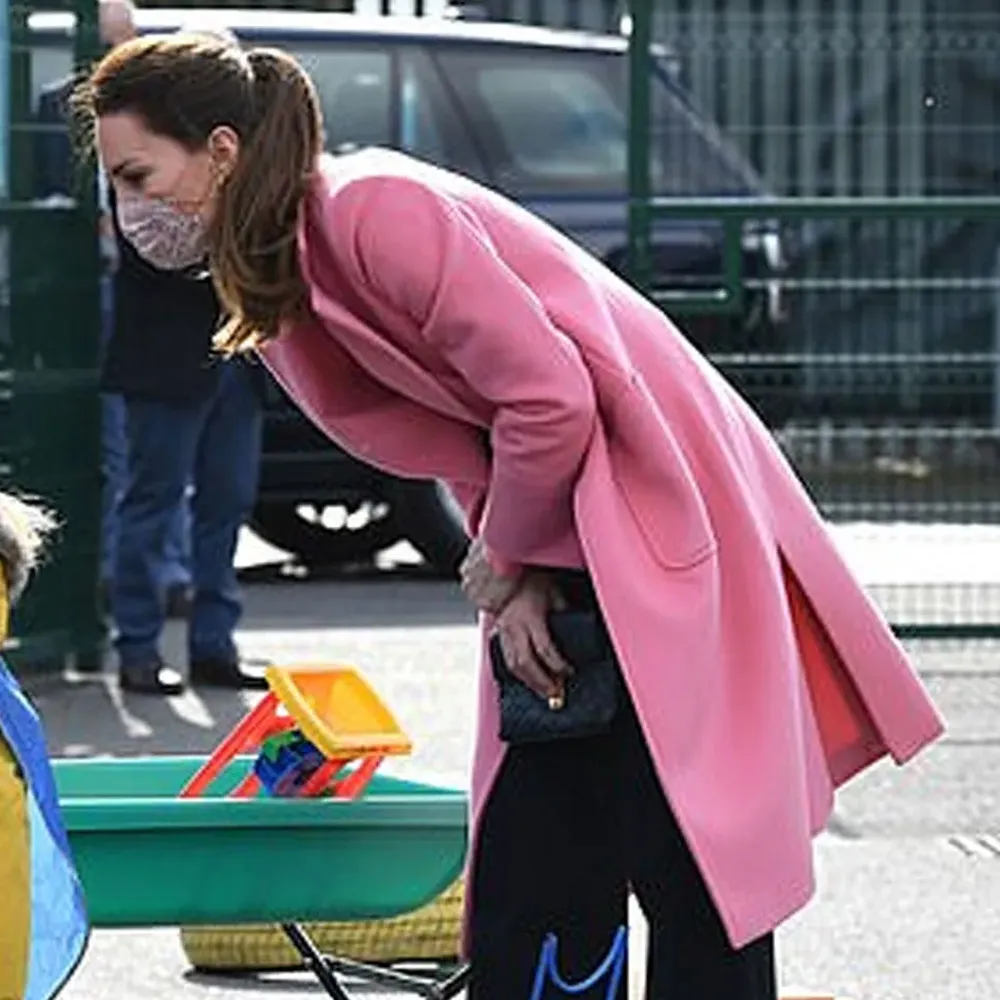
{"points": [[763, 675]]}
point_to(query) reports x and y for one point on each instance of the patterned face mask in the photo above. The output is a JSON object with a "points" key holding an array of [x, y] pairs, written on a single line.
{"points": [[166, 237]]}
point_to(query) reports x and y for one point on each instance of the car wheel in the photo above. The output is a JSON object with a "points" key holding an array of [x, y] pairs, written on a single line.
{"points": [[328, 535], [433, 522]]}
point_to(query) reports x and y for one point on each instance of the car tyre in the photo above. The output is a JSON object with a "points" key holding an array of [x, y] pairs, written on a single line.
{"points": [[313, 541], [433, 522]]}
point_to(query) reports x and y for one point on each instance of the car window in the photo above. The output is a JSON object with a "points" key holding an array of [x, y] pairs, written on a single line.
{"points": [[430, 126], [51, 60], [355, 89], [557, 121], [691, 154], [419, 132]]}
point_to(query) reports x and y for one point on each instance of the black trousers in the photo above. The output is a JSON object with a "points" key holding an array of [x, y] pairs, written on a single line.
{"points": [[568, 828]]}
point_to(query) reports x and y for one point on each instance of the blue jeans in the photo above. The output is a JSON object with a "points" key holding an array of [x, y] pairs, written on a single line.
{"points": [[174, 569], [216, 446]]}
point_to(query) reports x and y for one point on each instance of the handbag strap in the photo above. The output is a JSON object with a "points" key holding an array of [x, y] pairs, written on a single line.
{"points": [[612, 966]]}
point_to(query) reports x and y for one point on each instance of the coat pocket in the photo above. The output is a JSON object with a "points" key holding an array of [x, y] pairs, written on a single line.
{"points": [[659, 488], [673, 521]]}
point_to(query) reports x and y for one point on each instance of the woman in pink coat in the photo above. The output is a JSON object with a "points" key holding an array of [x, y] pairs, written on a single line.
{"points": [[437, 330]]}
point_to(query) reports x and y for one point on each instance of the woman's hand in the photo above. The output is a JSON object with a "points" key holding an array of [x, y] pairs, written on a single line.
{"points": [[524, 636], [481, 584]]}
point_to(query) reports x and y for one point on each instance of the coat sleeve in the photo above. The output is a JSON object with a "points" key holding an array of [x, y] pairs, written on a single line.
{"points": [[491, 329]]}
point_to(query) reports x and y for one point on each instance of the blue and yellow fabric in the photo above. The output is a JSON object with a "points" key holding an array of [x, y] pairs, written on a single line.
{"points": [[43, 921]]}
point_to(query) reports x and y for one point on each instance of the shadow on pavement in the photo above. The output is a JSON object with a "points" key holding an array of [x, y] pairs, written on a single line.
{"points": [[88, 715], [281, 984], [91, 717], [285, 984]]}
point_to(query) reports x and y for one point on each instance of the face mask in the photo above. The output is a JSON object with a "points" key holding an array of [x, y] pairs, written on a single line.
{"points": [[166, 237]]}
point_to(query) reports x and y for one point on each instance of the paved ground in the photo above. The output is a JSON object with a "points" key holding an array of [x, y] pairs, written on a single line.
{"points": [[904, 911]]}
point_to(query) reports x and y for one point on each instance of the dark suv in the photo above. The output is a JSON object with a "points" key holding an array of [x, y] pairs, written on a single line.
{"points": [[539, 114]]}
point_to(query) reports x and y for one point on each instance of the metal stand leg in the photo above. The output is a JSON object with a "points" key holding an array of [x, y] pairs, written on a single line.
{"points": [[422, 986], [314, 960], [455, 983], [326, 967]]}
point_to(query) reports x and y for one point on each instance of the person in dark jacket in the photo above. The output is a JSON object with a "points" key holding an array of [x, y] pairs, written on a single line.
{"points": [[54, 179], [190, 419]]}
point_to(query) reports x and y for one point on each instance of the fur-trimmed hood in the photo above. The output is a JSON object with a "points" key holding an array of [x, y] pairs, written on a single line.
{"points": [[23, 529]]}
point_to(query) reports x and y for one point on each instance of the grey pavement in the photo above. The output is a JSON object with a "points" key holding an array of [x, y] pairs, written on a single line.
{"points": [[908, 906]]}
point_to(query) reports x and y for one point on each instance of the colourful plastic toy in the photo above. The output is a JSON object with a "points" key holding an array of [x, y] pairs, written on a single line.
{"points": [[307, 731], [148, 858], [286, 763], [318, 735]]}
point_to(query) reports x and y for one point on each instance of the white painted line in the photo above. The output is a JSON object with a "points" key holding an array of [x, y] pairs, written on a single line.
{"points": [[135, 728], [190, 708]]}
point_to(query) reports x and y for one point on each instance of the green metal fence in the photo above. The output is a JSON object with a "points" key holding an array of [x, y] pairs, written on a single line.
{"points": [[49, 418], [887, 367]]}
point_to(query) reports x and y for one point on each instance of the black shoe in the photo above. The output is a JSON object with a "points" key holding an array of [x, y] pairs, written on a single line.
{"points": [[179, 601], [237, 674], [150, 678]]}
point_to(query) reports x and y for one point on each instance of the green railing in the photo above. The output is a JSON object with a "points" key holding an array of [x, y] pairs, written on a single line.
{"points": [[882, 379], [735, 213], [49, 343]]}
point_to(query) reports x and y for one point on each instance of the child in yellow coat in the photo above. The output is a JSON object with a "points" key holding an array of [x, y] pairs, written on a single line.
{"points": [[43, 925], [15, 915]]}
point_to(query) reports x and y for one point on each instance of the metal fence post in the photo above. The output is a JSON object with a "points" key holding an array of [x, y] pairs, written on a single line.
{"points": [[640, 65], [49, 409], [996, 344]]}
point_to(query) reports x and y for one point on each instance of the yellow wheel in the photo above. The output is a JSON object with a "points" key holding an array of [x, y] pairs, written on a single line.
{"points": [[431, 933]]}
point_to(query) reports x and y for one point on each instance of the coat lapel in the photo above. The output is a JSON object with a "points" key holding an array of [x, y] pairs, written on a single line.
{"points": [[358, 320]]}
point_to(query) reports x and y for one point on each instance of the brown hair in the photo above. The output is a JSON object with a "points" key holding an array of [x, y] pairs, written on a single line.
{"points": [[183, 87]]}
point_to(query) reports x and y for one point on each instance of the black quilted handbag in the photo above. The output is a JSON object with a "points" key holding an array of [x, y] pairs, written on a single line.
{"points": [[592, 693]]}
